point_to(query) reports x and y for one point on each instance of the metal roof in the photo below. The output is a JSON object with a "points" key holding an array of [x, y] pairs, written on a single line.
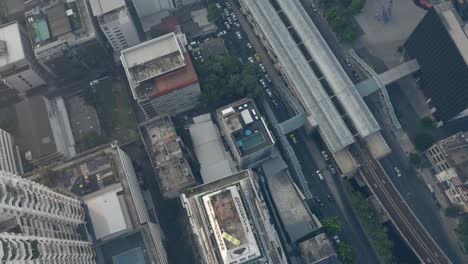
{"points": [[100, 7], [332, 70], [301, 76]]}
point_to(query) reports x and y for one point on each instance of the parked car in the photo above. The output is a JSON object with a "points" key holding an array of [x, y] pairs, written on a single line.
{"points": [[398, 173], [337, 239], [249, 45], [332, 169], [325, 155], [262, 67], [251, 60], [348, 62], [263, 83], [314, 7], [319, 174], [268, 91], [239, 35], [319, 202]]}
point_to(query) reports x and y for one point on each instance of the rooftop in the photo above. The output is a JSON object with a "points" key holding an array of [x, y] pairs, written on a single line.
{"points": [[455, 149], [318, 250], [228, 227], [13, 49], [166, 152], [195, 22], [215, 161], [152, 59], [242, 124], [296, 217], [106, 211], [100, 7], [52, 24]]}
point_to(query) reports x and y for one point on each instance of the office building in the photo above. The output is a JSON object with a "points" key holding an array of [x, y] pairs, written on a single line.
{"points": [[10, 159], [215, 160], [245, 132], [449, 160], [230, 222], [161, 75], [105, 180], [318, 250], [43, 130], [39, 225], [116, 23], [64, 39], [440, 45], [18, 66], [168, 156]]}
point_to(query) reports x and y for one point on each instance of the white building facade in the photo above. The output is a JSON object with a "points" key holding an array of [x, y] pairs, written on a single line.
{"points": [[39, 225], [9, 160], [116, 23], [18, 67]]}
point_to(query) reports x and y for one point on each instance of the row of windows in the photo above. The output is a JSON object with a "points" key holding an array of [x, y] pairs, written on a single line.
{"points": [[24, 80]]}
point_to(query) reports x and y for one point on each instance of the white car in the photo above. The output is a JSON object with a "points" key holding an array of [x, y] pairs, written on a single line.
{"points": [[263, 83], [268, 91], [398, 173], [251, 60], [237, 24], [262, 67], [249, 45], [332, 169], [319, 174], [239, 35], [218, 6], [325, 155], [337, 239]]}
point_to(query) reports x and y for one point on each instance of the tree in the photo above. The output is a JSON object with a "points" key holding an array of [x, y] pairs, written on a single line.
{"points": [[356, 6], [91, 140], [345, 253], [423, 141], [462, 232], [213, 12], [427, 123], [415, 159], [332, 225]]}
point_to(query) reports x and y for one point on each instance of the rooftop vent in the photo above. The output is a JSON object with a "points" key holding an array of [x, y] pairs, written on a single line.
{"points": [[3, 48]]}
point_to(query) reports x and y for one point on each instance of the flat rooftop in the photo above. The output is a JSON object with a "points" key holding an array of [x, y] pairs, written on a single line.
{"points": [[318, 250], [100, 7], [50, 24], [151, 59], [165, 149], [456, 152], [296, 217], [243, 125], [454, 26], [10, 36], [222, 219], [215, 161]]}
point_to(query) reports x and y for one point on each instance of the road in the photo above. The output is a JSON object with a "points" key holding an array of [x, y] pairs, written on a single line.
{"points": [[339, 204]]}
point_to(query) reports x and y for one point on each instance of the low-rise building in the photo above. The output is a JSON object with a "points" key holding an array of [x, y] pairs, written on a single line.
{"points": [[18, 66], [116, 22], [449, 158], [230, 222], [105, 180], [215, 161], [245, 132], [64, 39], [161, 75], [43, 130], [318, 250], [168, 156], [10, 159]]}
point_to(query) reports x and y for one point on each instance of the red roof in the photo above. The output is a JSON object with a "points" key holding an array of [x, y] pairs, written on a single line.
{"points": [[177, 79]]}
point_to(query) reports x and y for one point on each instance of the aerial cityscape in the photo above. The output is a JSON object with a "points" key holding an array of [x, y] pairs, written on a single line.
{"points": [[233, 131]]}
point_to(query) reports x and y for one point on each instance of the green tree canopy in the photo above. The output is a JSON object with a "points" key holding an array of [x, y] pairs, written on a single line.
{"points": [[346, 253], [332, 225]]}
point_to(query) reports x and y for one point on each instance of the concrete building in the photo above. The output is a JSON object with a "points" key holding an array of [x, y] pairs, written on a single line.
{"points": [[18, 66], [39, 225], [440, 45], [230, 222], [116, 23], [161, 75], [196, 23], [10, 159], [43, 130], [318, 250], [168, 155], [215, 161], [117, 211], [64, 39], [245, 132], [449, 160]]}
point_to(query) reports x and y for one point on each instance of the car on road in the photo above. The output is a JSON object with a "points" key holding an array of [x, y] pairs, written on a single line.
{"points": [[336, 239], [268, 91], [234, 17], [319, 174], [251, 60], [239, 35], [325, 155], [249, 45], [319, 202], [314, 7], [332, 169], [348, 63], [227, 25], [229, 20], [267, 77], [218, 6], [242, 10], [397, 171], [263, 83]]}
